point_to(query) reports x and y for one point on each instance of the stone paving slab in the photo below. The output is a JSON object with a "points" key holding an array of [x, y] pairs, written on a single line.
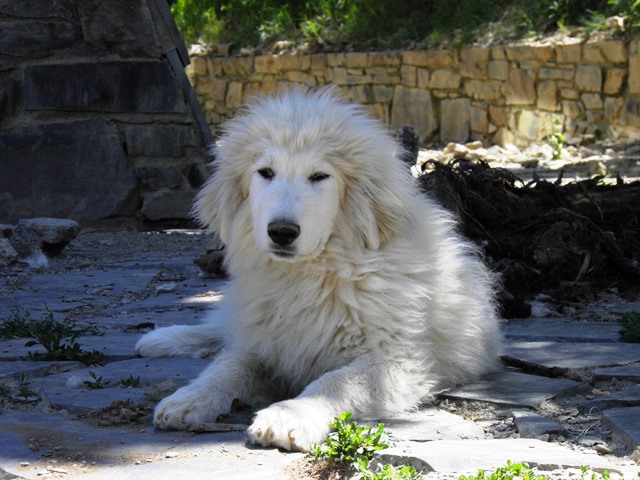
{"points": [[116, 450], [150, 370], [127, 290], [26, 368], [468, 456], [626, 372], [574, 355], [4, 475], [114, 345], [625, 422], [82, 400], [534, 425], [623, 398], [550, 329], [430, 424], [511, 388], [36, 304], [163, 302], [92, 282], [164, 318], [68, 391]]}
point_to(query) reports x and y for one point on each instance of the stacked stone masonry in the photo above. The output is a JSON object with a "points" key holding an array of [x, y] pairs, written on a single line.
{"points": [[503, 94], [94, 123]]}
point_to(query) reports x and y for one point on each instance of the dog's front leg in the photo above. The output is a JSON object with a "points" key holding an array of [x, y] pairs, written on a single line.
{"points": [[230, 376], [361, 388]]}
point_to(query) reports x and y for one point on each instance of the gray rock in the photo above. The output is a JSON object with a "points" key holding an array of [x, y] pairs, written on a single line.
{"points": [[68, 391], [50, 163], [168, 204], [36, 38], [8, 254], [159, 140], [150, 370], [467, 456], [534, 425], [624, 372], [414, 106], [456, 120], [24, 368], [155, 178], [212, 263], [50, 235], [202, 456], [574, 355], [560, 329], [64, 9], [6, 230], [79, 402], [141, 86], [515, 389], [4, 475], [625, 422], [623, 398], [119, 26], [431, 424]]}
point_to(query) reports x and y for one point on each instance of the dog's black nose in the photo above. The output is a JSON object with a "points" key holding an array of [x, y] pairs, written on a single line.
{"points": [[283, 233]]}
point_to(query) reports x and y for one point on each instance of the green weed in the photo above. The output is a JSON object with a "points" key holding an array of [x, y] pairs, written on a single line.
{"points": [[96, 382], [24, 389], [556, 140], [630, 331], [17, 325], [356, 445], [386, 472], [522, 471], [350, 442], [129, 382], [57, 338]]}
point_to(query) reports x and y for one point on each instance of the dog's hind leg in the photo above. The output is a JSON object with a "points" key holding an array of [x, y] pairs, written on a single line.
{"points": [[197, 341]]}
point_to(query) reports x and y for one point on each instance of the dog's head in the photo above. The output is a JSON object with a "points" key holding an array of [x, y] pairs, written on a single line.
{"points": [[299, 169]]}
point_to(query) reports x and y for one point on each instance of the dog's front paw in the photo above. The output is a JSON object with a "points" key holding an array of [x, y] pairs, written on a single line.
{"points": [[187, 409], [292, 425], [159, 343]]}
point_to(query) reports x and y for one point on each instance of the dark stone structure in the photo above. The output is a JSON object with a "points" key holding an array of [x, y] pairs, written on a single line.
{"points": [[97, 118]]}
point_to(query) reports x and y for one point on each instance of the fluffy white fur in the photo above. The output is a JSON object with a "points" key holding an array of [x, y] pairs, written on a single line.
{"points": [[376, 305]]}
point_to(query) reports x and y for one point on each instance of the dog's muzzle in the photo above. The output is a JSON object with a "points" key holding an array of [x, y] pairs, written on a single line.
{"points": [[283, 232]]}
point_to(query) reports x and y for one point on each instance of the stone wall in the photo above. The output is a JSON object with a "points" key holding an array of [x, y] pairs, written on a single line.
{"points": [[96, 115], [504, 94]]}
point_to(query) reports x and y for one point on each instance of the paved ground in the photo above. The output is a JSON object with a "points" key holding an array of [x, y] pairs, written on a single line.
{"points": [[569, 394]]}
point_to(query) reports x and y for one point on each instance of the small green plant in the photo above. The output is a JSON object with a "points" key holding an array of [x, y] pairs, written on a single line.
{"points": [[96, 382], [386, 472], [17, 325], [356, 445], [510, 471], [59, 341], [522, 471], [584, 470], [350, 442], [556, 140], [129, 382], [23, 389], [630, 331]]}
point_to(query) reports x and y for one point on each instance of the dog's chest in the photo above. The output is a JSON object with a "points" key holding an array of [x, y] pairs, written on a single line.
{"points": [[303, 332]]}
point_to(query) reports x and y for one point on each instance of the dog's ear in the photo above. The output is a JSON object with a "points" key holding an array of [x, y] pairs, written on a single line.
{"points": [[218, 202], [375, 211]]}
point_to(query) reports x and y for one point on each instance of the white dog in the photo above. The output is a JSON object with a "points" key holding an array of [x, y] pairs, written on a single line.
{"points": [[349, 291]]}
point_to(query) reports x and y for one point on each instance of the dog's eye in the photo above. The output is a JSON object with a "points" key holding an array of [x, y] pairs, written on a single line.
{"points": [[318, 177], [266, 173]]}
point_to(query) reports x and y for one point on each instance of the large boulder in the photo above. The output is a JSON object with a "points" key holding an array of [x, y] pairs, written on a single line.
{"points": [[48, 235]]}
